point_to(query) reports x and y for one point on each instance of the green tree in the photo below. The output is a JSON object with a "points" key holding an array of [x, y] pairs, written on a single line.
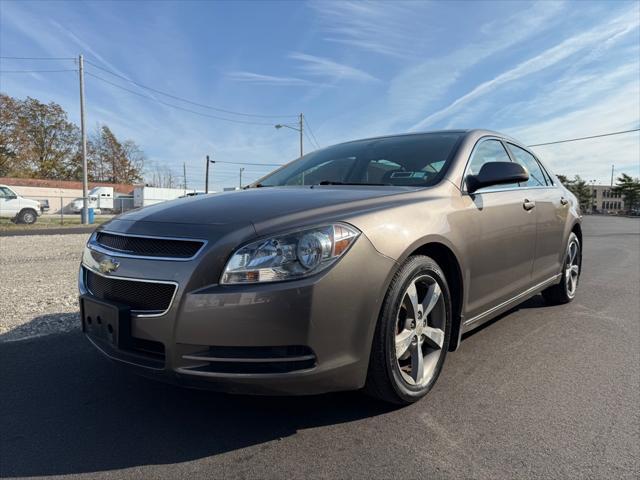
{"points": [[13, 138], [53, 141], [38, 141], [629, 188]]}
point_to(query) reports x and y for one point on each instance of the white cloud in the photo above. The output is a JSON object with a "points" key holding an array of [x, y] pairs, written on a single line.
{"points": [[423, 83], [324, 67], [258, 78], [394, 28], [590, 39]]}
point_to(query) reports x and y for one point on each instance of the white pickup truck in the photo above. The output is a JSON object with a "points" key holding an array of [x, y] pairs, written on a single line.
{"points": [[19, 209]]}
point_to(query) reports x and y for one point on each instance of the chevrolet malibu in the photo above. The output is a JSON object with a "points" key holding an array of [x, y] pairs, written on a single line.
{"points": [[356, 266]]}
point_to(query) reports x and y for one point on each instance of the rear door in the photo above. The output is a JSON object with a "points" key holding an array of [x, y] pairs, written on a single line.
{"points": [[551, 215], [500, 234]]}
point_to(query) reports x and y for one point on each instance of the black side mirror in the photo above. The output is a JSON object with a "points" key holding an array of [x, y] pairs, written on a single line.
{"points": [[496, 173]]}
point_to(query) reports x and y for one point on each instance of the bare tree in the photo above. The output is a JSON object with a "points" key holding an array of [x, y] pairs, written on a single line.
{"points": [[161, 176]]}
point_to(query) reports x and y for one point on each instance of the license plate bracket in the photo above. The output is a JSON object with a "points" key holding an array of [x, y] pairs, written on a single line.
{"points": [[107, 321]]}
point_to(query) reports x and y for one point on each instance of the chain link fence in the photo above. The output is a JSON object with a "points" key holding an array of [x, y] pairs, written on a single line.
{"points": [[54, 211]]}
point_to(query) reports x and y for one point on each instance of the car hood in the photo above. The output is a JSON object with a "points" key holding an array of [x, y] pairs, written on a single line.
{"points": [[262, 205]]}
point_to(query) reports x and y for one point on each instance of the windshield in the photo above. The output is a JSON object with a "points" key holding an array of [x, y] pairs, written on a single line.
{"points": [[408, 160]]}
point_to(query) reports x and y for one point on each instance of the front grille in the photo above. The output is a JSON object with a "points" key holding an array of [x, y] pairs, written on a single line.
{"points": [[253, 360], [140, 296], [149, 247]]}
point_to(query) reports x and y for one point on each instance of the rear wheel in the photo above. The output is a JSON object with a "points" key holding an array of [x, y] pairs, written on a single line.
{"points": [[565, 291], [412, 335], [27, 216]]}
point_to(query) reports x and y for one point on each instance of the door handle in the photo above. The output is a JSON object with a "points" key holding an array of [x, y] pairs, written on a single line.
{"points": [[528, 205], [563, 201]]}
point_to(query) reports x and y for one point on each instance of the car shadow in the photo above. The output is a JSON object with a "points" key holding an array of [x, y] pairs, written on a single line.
{"points": [[65, 409]]}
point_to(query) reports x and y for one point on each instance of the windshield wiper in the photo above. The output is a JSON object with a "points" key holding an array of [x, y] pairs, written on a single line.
{"points": [[331, 182]]}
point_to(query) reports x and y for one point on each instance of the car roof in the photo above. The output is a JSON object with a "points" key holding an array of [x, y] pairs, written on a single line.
{"points": [[477, 132]]}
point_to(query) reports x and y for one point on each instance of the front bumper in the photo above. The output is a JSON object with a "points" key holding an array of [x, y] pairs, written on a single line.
{"points": [[299, 337]]}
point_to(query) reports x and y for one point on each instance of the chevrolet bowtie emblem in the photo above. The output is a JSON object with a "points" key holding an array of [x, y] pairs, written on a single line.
{"points": [[108, 265]]}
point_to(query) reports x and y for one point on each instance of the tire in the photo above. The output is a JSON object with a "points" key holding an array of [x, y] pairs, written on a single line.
{"points": [[27, 216], [397, 378], [565, 291]]}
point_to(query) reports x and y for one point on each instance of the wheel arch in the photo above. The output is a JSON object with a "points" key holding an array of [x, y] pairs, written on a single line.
{"points": [[26, 209], [577, 229]]}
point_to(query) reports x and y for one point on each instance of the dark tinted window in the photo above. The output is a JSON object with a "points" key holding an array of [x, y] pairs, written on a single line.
{"points": [[410, 160], [488, 151], [528, 161]]}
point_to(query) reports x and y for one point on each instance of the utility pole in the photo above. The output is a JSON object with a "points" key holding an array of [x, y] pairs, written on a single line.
{"points": [[206, 177], [184, 175], [612, 174], [241, 170], [85, 179], [301, 130]]}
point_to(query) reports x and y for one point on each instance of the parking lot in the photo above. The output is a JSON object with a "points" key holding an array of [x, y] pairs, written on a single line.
{"points": [[541, 392]]}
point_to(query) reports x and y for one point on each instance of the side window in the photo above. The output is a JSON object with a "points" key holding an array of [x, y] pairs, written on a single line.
{"points": [[488, 151], [5, 192], [528, 161], [547, 177]]}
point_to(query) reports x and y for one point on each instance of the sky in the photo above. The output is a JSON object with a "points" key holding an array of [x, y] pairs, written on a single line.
{"points": [[538, 71]]}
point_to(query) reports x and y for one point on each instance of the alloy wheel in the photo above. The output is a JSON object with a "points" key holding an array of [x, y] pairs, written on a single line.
{"points": [[419, 335], [572, 268]]}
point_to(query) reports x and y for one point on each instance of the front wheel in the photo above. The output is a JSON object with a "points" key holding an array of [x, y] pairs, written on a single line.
{"points": [[27, 216], [412, 334], [565, 291]]}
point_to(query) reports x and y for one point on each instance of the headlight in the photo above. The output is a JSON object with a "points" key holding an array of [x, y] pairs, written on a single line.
{"points": [[289, 256]]}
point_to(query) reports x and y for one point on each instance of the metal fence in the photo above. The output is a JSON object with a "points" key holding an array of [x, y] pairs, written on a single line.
{"points": [[64, 210]]}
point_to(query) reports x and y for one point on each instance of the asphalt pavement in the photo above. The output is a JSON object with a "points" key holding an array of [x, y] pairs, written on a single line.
{"points": [[541, 392]]}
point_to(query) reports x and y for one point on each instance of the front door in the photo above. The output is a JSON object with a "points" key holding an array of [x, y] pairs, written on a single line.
{"points": [[500, 234], [9, 203]]}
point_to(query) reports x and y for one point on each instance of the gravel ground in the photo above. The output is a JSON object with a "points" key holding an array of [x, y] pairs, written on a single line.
{"points": [[38, 292]]}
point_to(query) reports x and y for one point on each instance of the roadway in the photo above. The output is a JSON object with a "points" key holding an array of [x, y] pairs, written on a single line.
{"points": [[542, 392]]}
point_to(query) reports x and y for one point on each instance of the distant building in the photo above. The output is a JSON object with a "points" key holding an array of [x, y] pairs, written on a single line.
{"points": [[605, 200]]}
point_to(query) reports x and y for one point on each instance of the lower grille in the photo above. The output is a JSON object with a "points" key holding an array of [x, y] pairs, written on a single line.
{"points": [[253, 360], [140, 296]]}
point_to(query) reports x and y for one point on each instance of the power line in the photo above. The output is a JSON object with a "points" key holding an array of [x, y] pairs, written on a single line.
{"points": [[311, 131], [233, 120], [38, 58], [175, 97], [249, 163], [585, 138], [306, 135], [38, 71]]}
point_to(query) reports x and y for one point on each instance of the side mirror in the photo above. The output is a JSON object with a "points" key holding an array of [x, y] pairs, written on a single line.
{"points": [[496, 173]]}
